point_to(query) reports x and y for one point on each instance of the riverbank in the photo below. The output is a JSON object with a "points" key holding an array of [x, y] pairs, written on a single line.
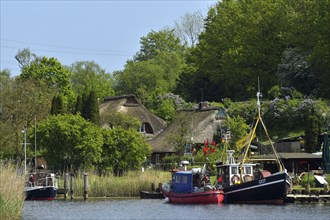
{"points": [[11, 192]]}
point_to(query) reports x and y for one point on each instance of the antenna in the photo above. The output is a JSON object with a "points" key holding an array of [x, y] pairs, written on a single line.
{"points": [[259, 95]]}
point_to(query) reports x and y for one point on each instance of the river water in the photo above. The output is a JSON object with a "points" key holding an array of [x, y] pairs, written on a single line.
{"points": [[158, 209]]}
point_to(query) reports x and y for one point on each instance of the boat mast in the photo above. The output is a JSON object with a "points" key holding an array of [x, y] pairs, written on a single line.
{"points": [[279, 163], [35, 143], [24, 131]]}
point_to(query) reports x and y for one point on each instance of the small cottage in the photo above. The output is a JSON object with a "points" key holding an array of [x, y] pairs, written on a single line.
{"points": [[192, 126], [130, 105]]}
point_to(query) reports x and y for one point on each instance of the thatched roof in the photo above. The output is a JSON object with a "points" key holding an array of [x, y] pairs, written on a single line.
{"points": [[129, 104], [199, 124]]}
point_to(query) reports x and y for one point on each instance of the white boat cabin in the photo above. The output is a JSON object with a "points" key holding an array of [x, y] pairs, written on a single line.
{"points": [[229, 173]]}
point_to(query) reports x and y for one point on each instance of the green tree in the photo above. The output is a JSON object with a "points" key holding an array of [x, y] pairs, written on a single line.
{"points": [[25, 57], [155, 68], [88, 107], [71, 138], [88, 76], [238, 128], [166, 110], [57, 105], [49, 72], [274, 92], [84, 100], [311, 133], [180, 136], [295, 71], [124, 150], [140, 76], [158, 42], [308, 31], [172, 65], [79, 105], [244, 40], [22, 101], [93, 108], [239, 43], [4, 77]]}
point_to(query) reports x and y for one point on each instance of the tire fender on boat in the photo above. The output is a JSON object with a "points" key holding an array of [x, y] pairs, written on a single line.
{"points": [[235, 179]]}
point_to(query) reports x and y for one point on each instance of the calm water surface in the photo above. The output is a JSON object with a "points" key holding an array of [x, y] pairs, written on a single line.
{"points": [[157, 209]]}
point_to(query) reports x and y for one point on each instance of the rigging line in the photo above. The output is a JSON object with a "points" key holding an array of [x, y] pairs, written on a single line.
{"points": [[62, 21], [8, 61], [75, 48], [279, 162], [70, 52]]}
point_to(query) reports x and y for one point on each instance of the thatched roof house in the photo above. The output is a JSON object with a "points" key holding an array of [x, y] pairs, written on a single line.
{"points": [[195, 125], [129, 104]]}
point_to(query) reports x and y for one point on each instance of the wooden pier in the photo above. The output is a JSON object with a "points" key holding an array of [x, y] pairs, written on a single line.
{"points": [[310, 198], [64, 191]]}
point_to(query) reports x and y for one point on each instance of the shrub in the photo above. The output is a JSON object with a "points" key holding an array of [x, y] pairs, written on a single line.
{"points": [[304, 180]]}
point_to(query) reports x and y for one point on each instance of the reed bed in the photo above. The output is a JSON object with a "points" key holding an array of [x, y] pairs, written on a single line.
{"points": [[128, 185], [11, 192]]}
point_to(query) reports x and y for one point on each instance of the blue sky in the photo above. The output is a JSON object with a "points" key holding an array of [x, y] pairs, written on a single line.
{"points": [[107, 32]]}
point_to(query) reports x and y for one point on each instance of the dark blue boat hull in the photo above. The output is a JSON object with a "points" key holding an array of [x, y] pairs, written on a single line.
{"points": [[269, 190], [44, 193]]}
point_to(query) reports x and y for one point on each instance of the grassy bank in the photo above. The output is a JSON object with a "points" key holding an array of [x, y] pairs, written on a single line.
{"points": [[128, 185], [11, 192]]}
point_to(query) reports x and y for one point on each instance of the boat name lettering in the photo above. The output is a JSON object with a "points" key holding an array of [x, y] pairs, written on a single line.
{"points": [[262, 181]]}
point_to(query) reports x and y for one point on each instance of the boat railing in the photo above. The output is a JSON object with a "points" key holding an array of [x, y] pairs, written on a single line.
{"points": [[46, 181]]}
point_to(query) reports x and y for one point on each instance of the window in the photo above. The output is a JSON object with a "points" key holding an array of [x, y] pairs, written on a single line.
{"points": [[143, 128], [146, 128], [177, 179], [248, 170], [157, 158], [234, 170], [184, 179]]}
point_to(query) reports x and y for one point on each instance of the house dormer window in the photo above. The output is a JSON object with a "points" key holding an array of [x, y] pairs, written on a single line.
{"points": [[146, 128], [143, 128]]}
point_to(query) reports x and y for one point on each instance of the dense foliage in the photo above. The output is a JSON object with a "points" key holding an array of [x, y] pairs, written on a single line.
{"points": [[124, 150], [284, 43], [22, 102], [88, 76], [69, 138], [49, 72]]}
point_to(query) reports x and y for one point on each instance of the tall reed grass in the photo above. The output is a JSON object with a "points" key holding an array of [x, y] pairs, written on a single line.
{"points": [[11, 192], [128, 185]]}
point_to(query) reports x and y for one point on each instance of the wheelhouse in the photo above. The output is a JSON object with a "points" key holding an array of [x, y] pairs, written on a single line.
{"points": [[230, 173], [186, 181], [234, 173]]}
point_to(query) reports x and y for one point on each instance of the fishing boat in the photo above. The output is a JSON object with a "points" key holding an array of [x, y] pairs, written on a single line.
{"points": [[41, 186], [191, 187], [243, 183]]}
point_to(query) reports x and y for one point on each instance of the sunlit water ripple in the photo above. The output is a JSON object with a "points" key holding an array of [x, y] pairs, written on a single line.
{"points": [[158, 209]]}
